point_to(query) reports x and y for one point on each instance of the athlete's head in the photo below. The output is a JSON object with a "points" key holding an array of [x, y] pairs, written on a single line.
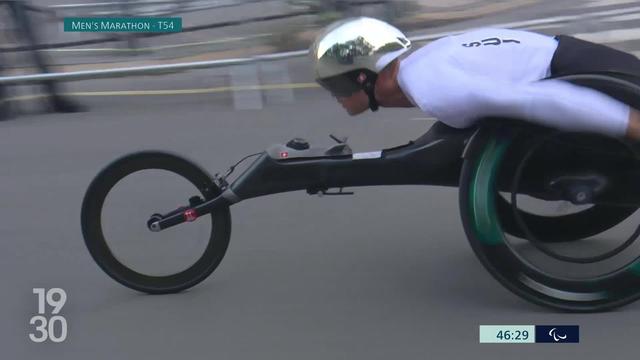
{"points": [[348, 56]]}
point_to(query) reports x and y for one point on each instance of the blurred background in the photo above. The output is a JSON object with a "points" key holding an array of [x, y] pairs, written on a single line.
{"points": [[32, 39], [384, 274]]}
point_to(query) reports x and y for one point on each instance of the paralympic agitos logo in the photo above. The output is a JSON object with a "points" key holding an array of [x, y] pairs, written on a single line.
{"points": [[557, 334], [556, 337]]}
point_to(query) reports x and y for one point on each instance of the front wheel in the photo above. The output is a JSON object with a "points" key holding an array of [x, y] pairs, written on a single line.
{"points": [[120, 201]]}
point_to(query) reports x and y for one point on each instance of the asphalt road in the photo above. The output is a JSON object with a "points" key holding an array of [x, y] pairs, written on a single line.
{"points": [[386, 273]]}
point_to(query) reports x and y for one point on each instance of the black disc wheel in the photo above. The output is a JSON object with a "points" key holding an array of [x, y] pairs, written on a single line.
{"points": [[561, 225], [587, 260], [563, 228], [121, 201]]}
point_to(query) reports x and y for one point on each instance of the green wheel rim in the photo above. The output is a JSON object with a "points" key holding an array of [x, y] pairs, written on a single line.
{"points": [[481, 197], [488, 240]]}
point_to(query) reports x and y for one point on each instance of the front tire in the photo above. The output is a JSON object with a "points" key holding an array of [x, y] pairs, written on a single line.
{"points": [[99, 247]]}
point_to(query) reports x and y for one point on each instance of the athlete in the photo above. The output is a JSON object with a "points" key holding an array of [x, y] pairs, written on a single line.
{"points": [[482, 73]]}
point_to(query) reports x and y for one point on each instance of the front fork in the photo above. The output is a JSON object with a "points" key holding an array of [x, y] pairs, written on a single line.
{"points": [[197, 207]]}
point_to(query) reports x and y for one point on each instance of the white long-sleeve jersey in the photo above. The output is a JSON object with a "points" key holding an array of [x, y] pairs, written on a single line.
{"points": [[495, 72]]}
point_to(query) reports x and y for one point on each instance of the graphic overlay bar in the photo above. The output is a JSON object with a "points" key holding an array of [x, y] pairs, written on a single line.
{"points": [[527, 334], [557, 334], [507, 334], [128, 24]]}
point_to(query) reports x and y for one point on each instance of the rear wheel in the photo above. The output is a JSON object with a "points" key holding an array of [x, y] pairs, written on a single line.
{"points": [[571, 227], [536, 256], [559, 222]]}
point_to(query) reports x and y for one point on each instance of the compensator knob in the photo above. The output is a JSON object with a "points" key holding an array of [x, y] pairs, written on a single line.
{"points": [[298, 144]]}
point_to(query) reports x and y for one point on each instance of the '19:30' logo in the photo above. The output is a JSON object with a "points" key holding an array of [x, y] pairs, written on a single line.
{"points": [[54, 328]]}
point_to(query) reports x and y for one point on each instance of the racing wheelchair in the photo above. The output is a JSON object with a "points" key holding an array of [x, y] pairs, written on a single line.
{"points": [[506, 170]]}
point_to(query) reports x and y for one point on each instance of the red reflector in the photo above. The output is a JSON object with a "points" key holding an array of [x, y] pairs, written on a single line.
{"points": [[284, 154], [190, 215]]}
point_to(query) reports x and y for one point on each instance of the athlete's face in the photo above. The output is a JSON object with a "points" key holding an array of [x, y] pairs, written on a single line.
{"points": [[356, 103]]}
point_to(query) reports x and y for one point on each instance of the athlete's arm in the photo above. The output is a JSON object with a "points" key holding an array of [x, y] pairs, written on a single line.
{"points": [[633, 130], [553, 103]]}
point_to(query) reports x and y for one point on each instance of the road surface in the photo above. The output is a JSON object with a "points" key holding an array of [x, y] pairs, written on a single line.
{"points": [[384, 274]]}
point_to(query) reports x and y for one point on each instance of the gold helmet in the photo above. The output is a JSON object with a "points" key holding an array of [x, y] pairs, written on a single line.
{"points": [[350, 47]]}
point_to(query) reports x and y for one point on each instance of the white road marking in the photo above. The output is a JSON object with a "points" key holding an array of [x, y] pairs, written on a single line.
{"points": [[543, 27], [628, 17], [596, 3], [527, 24], [610, 36], [623, 11]]}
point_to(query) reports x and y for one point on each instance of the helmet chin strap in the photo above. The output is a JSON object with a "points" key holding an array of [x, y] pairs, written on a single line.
{"points": [[369, 86], [373, 103]]}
